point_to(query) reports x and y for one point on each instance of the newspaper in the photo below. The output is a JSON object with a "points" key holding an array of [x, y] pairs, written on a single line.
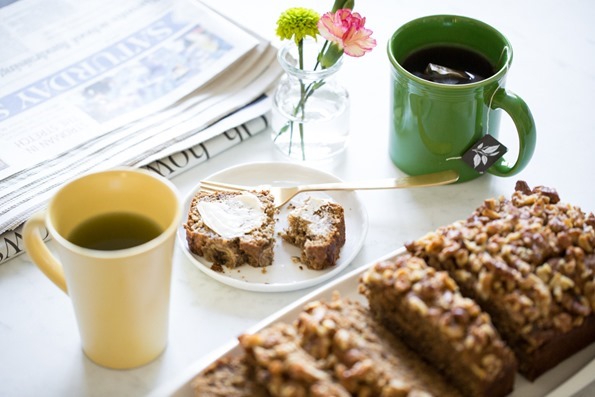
{"points": [[107, 72], [107, 83]]}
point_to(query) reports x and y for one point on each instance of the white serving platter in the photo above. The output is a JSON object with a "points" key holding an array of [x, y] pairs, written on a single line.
{"points": [[570, 376]]}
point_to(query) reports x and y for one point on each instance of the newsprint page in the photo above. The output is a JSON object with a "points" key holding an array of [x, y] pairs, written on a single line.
{"points": [[89, 85]]}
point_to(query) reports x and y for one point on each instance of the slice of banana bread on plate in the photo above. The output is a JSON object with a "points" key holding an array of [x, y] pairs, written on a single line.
{"points": [[232, 228], [317, 227]]}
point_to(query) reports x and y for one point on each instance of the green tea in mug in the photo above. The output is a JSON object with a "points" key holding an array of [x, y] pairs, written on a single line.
{"points": [[114, 231]]}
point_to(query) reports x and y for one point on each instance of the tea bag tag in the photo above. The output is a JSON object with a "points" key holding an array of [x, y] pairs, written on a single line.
{"points": [[484, 153]]}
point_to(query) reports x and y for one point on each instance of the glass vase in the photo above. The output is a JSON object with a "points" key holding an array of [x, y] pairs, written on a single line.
{"points": [[310, 115]]}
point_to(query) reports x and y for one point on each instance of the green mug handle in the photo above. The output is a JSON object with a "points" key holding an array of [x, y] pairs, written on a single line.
{"points": [[520, 114]]}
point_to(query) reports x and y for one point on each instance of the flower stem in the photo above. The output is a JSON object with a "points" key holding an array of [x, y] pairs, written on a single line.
{"points": [[302, 103], [290, 136], [299, 111], [324, 46]]}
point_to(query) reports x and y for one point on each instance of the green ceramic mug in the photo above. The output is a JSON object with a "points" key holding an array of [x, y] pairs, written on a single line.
{"points": [[432, 123]]}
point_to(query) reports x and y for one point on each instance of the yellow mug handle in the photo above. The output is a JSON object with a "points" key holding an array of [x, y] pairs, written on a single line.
{"points": [[39, 252]]}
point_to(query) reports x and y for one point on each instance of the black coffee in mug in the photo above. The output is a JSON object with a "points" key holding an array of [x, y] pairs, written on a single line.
{"points": [[449, 65]]}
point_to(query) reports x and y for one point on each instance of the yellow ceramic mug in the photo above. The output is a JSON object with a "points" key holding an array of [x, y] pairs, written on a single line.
{"points": [[120, 296]]}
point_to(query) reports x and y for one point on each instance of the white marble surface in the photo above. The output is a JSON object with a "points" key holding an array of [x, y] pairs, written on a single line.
{"points": [[553, 70]]}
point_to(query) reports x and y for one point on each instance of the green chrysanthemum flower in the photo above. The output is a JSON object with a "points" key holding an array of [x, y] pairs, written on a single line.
{"points": [[297, 23]]}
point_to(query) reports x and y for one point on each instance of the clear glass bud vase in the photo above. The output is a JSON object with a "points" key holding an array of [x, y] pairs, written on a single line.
{"points": [[310, 115]]}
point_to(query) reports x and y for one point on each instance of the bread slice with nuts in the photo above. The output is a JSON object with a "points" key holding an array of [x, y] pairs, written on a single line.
{"points": [[229, 376], [366, 358], [425, 308], [529, 261], [336, 348]]}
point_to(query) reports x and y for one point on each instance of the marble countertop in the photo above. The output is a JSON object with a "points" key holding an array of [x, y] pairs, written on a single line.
{"points": [[553, 70]]}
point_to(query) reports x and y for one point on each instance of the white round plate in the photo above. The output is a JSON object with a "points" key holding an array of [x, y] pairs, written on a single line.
{"points": [[285, 274]]}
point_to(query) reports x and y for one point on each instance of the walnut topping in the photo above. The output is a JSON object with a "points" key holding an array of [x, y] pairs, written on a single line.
{"points": [[338, 336], [533, 254], [284, 367], [425, 292]]}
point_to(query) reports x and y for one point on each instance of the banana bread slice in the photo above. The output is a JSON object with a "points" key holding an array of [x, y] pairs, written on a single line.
{"points": [[232, 228], [227, 377], [333, 348], [281, 364], [363, 355], [425, 308], [337, 348], [318, 228], [529, 261]]}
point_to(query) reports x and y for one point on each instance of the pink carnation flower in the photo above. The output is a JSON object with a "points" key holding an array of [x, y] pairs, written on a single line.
{"points": [[346, 29]]}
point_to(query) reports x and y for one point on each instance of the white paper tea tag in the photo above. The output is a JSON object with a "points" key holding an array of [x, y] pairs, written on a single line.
{"points": [[484, 153]]}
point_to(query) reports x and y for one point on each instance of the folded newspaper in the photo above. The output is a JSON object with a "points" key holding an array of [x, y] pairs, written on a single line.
{"points": [[163, 85]]}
